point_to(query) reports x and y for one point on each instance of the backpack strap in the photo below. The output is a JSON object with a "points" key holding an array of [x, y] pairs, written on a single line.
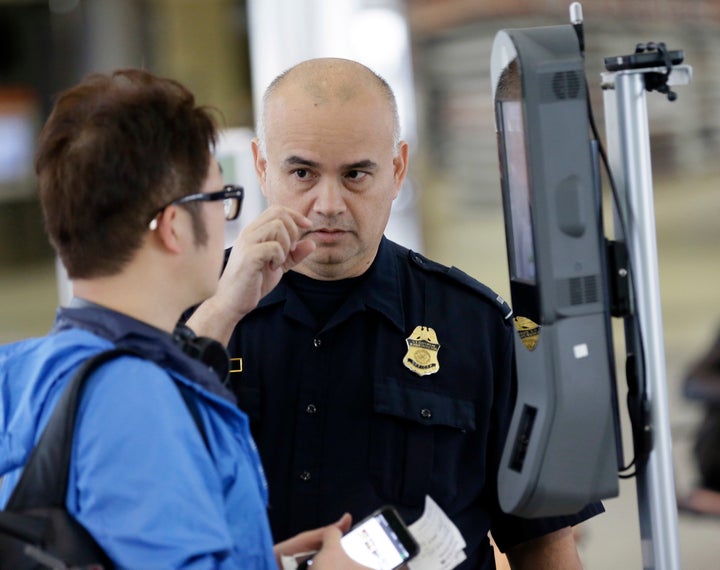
{"points": [[188, 395], [44, 480]]}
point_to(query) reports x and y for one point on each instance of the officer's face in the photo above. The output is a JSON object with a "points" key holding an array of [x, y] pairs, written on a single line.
{"points": [[335, 162]]}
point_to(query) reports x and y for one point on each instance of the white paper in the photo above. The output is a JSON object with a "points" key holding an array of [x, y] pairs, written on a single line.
{"points": [[290, 562], [441, 544]]}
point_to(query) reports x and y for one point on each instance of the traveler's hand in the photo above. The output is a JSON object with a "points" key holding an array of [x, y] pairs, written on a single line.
{"points": [[332, 556], [326, 540]]}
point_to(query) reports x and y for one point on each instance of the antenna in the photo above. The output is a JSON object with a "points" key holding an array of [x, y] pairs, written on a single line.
{"points": [[576, 19]]}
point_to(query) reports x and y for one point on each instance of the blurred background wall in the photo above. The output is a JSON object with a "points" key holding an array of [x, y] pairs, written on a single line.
{"points": [[47, 45], [211, 46]]}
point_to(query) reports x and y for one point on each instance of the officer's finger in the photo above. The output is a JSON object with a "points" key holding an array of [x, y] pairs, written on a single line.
{"points": [[302, 249]]}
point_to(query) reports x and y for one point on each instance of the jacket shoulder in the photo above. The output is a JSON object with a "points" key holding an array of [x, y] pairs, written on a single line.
{"points": [[462, 279]]}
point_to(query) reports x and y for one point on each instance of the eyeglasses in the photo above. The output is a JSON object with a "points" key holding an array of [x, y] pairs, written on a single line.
{"points": [[231, 195]]}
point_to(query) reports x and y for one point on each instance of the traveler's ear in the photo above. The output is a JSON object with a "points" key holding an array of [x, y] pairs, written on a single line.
{"points": [[168, 229]]}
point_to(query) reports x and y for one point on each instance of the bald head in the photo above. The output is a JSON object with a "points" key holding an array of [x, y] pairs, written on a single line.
{"points": [[323, 82], [331, 152]]}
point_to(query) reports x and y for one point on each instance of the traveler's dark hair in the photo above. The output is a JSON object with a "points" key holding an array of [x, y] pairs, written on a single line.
{"points": [[116, 149]]}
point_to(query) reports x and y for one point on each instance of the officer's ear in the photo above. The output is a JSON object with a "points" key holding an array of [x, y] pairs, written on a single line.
{"points": [[400, 165], [260, 162]]}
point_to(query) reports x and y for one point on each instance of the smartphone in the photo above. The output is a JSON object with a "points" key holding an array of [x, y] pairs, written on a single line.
{"points": [[380, 541]]}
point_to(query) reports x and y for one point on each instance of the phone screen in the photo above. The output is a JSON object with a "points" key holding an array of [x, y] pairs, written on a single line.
{"points": [[375, 542]]}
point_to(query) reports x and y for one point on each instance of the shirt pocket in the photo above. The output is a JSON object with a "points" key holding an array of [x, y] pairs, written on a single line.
{"points": [[415, 434]]}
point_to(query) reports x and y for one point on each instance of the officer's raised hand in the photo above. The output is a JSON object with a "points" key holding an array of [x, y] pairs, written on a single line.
{"points": [[266, 248]]}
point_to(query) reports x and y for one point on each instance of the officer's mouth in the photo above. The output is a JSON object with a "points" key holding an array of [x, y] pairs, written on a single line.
{"points": [[328, 235]]}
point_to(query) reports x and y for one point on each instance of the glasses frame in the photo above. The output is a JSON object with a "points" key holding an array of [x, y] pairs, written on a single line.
{"points": [[228, 193]]}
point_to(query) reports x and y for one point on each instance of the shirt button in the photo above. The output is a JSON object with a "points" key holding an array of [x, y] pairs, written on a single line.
{"points": [[311, 409], [317, 342], [425, 413], [305, 476]]}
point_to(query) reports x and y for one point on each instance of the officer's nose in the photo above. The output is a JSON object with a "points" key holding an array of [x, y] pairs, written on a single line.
{"points": [[329, 198]]}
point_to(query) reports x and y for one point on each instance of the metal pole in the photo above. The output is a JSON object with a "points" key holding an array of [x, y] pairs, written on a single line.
{"points": [[629, 151]]}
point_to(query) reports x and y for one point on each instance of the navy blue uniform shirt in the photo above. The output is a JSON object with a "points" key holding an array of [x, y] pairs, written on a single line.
{"points": [[344, 421]]}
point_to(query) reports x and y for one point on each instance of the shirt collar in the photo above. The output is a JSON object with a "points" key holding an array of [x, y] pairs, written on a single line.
{"points": [[381, 291]]}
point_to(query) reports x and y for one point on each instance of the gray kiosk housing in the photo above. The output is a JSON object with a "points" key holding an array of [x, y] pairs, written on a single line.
{"points": [[563, 448]]}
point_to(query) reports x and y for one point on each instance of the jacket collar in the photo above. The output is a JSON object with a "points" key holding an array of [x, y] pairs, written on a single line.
{"points": [[154, 344]]}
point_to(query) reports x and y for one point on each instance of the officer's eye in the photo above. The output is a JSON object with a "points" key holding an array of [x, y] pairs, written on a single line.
{"points": [[357, 175]]}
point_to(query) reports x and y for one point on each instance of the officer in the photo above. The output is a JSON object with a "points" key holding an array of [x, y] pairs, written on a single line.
{"points": [[381, 376]]}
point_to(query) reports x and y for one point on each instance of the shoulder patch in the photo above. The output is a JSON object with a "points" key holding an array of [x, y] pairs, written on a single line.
{"points": [[464, 279]]}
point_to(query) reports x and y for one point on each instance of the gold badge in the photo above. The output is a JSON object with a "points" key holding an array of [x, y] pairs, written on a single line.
{"points": [[423, 346], [528, 331]]}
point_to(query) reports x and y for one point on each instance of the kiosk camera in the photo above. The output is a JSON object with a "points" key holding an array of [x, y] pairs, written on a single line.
{"points": [[563, 446]]}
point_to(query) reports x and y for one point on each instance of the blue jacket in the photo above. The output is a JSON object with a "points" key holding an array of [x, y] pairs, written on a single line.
{"points": [[142, 481]]}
